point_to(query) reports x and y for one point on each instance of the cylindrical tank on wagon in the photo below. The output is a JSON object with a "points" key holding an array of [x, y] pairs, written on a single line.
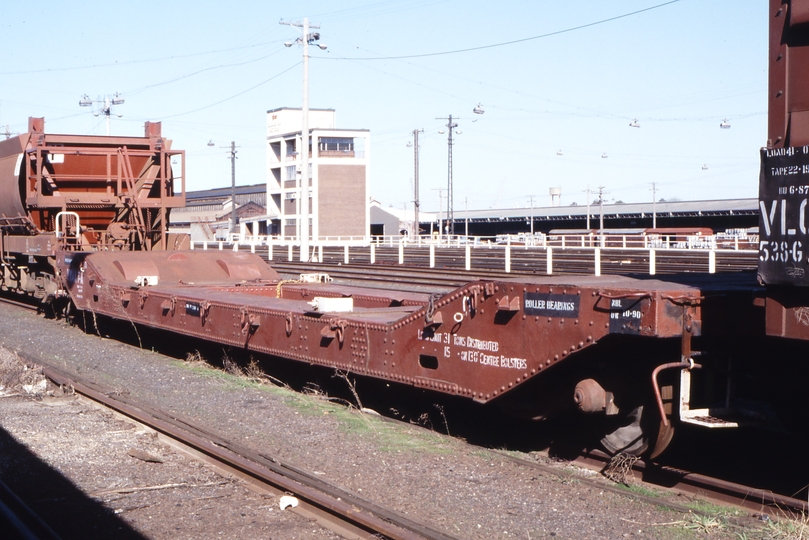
{"points": [[12, 206]]}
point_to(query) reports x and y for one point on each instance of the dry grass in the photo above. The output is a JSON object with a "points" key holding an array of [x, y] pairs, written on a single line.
{"points": [[443, 417], [230, 367], [17, 377], [252, 372], [352, 385], [195, 359], [787, 526]]}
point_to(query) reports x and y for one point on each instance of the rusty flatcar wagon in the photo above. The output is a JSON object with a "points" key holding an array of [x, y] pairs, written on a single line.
{"points": [[83, 219]]}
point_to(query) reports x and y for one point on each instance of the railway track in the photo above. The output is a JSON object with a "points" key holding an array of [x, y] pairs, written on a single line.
{"points": [[717, 489], [714, 489], [449, 277], [331, 507], [489, 263], [344, 512]]}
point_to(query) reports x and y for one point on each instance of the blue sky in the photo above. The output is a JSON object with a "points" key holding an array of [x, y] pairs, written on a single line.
{"points": [[210, 71]]}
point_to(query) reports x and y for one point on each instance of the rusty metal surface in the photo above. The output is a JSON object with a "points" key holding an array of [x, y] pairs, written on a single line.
{"points": [[589, 396], [121, 188], [788, 87], [42, 244], [223, 268], [479, 341], [787, 313], [784, 181]]}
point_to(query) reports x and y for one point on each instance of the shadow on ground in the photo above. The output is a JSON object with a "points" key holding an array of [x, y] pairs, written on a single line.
{"points": [[65, 509]]}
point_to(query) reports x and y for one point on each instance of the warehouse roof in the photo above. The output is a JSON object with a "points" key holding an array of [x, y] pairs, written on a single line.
{"points": [[613, 210]]}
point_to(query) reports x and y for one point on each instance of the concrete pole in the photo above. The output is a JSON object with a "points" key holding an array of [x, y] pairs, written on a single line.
{"points": [[303, 200], [233, 186], [588, 207], [466, 222], [416, 180]]}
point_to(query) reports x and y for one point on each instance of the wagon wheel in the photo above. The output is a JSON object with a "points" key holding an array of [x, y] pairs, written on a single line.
{"points": [[640, 432]]}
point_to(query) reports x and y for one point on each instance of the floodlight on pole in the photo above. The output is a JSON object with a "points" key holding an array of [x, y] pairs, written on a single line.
{"points": [[601, 194], [106, 105], [233, 158], [450, 217]]}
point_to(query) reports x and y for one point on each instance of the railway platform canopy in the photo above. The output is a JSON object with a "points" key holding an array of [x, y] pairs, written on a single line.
{"points": [[717, 214]]}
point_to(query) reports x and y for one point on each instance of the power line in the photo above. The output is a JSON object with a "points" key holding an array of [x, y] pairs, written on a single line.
{"points": [[130, 62], [203, 70], [505, 43], [374, 9], [233, 96]]}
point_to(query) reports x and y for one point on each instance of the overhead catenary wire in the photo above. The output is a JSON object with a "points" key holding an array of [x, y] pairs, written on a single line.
{"points": [[506, 43], [234, 95]]}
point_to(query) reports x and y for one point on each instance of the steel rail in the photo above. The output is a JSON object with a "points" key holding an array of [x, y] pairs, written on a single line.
{"points": [[25, 305], [565, 262], [760, 500], [321, 496], [656, 474], [445, 276]]}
